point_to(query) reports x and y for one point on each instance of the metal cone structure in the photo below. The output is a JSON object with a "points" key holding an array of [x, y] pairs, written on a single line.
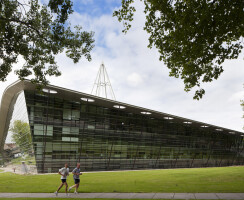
{"points": [[102, 86]]}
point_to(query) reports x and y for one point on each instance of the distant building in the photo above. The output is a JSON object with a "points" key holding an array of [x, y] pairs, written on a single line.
{"points": [[11, 150], [101, 134]]}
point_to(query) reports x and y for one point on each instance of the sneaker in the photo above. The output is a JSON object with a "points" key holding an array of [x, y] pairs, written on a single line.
{"points": [[76, 192], [56, 193], [69, 189]]}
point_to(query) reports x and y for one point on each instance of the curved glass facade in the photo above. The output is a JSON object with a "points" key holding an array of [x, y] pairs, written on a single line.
{"points": [[110, 138]]}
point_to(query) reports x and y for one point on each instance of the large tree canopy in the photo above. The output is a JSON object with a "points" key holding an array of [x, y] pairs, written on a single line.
{"points": [[193, 37], [38, 33]]}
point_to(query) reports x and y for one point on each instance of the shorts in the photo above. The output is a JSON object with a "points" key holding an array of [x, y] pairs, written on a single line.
{"points": [[63, 180], [77, 181]]}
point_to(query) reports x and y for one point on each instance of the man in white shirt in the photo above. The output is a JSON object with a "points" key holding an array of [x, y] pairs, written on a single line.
{"points": [[64, 172]]}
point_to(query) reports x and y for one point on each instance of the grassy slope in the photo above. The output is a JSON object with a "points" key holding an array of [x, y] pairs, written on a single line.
{"points": [[225, 179]]}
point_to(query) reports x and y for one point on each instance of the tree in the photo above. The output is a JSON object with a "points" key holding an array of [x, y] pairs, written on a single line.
{"points": [[193, 37], [21, 135], [38, 33]]}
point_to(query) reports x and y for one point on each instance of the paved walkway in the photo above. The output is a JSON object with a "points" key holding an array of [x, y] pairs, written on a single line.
{"points": [[130, 195]]}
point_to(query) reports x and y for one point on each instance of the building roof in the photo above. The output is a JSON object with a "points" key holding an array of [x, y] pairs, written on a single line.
{"points": [[11, 93]]}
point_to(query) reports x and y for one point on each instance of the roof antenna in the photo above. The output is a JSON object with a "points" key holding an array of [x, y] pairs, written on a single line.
{"points": [[102, 86]]}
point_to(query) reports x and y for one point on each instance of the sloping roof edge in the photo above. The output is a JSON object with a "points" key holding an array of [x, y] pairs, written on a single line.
{"points": [[12, 91]]}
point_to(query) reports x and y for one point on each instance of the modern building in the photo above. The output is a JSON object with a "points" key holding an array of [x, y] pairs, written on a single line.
{"points": [[101, 134]]}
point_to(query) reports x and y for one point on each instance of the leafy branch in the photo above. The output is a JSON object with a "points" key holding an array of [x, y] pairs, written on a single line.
{"points": [[193, 38], [37, 34]]}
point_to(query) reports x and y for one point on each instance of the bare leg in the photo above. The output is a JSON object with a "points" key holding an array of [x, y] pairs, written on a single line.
{"points": [[61, 185], [66, 186], [73, 186], [76, 187]]}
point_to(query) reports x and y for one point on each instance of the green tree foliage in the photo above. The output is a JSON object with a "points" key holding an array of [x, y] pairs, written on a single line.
{"points": [[21, 135], [37, 33], [193, 37]]}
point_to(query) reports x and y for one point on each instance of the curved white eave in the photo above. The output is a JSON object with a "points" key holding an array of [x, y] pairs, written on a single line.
{"points": [[7, 105]]}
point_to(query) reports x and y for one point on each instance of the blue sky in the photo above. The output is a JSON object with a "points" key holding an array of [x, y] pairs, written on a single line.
{"points": [[96, 7], [137, 75]]}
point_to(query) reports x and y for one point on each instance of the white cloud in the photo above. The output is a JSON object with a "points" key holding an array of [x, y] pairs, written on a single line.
{"points": [[237, 96], [134, 79]]}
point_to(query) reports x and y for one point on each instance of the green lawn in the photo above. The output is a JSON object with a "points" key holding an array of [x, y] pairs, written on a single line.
{"points": [[225, 179], [1, 170]]}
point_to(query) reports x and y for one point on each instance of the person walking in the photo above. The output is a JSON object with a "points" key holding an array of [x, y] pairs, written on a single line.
{"points": [[64, 172], [76, 175]]}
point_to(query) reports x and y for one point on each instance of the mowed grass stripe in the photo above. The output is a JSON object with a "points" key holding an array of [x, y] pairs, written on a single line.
{"points": [[194, 180]]}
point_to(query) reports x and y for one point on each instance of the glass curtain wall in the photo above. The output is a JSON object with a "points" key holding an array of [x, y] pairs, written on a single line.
{"points": [[103, 138]]}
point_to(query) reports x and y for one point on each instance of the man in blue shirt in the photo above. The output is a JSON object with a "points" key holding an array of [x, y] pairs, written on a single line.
{"points": [[76, 175]]}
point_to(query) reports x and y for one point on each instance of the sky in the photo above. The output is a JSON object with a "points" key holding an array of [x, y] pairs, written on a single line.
{"points": [[137, 75]]}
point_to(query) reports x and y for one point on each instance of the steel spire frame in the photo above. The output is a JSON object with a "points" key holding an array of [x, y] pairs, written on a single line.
{"points": [[102, 86]]}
